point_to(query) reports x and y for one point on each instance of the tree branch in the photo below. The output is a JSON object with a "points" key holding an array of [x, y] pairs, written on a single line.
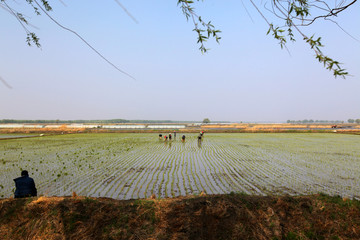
{"points": [[82, 39]]}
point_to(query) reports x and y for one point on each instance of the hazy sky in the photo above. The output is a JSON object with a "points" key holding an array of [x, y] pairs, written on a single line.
{"points": [[247, 77]]}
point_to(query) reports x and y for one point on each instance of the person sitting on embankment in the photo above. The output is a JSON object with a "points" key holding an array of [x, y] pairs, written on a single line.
{"points": [[25, 186]]}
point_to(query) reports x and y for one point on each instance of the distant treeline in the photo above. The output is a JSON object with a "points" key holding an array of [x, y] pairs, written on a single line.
{"points": [[90, 121], [314, 121]]}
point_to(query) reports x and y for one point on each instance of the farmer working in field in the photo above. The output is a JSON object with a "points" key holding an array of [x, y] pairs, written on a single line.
{"points": [[183, 138], [160, 136], [25, 186]]}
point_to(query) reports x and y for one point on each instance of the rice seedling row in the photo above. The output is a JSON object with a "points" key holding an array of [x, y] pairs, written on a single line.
{"points": [[219, 155]]}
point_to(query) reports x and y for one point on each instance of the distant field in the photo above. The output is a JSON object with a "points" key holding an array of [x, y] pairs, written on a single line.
{"points": [[7, 136], [125, 166]]}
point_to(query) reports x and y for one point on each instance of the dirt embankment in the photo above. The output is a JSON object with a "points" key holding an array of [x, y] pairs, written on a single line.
{"points": [[232, 216]]}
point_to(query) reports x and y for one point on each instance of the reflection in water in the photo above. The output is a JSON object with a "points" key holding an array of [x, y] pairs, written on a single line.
{"points": [[168, 143], [199, 141]]}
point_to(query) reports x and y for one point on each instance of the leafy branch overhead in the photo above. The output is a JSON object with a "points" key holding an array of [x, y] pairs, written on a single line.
{"points": [[204, 30], [31, 37], [297, 14], [294, 15], [44, 7]]}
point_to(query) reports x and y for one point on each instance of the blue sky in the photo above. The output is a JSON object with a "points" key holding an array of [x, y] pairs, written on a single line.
{"points": [[247, 77]]}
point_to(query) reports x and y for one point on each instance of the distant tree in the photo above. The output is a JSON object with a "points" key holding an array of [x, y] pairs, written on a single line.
{"points": [[357, 121], [351, 120], [206, 120]]}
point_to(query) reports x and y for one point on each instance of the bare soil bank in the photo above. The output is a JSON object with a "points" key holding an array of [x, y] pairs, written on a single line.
{"points": [[232, 216]]}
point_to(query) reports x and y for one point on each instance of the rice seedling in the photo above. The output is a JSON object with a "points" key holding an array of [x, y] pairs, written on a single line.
{"points": [[127, 166]]}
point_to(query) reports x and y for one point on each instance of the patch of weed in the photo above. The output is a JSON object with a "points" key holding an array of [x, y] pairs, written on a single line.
{"points": [[242, 194], [338, 200], [272, 225], [89, 200], [313, 235], [71, 219], [54, 212], [291, 236]]}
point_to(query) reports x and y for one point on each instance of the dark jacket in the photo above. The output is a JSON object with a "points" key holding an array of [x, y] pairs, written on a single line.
{"points": [[25, 187]]}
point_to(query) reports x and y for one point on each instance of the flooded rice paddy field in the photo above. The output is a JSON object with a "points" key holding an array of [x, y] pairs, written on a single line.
{"points": [[126, 166]]}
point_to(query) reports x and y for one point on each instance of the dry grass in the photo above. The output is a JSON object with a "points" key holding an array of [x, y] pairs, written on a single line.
{"points": [[233, 216]]}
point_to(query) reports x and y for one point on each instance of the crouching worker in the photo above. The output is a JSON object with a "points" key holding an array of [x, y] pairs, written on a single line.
{"points": [[25, 186], [183, 138]]}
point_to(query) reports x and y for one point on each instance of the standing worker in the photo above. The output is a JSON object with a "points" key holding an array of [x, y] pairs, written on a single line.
{"points": [[25, 186], [202, 134], [174, 134]]}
